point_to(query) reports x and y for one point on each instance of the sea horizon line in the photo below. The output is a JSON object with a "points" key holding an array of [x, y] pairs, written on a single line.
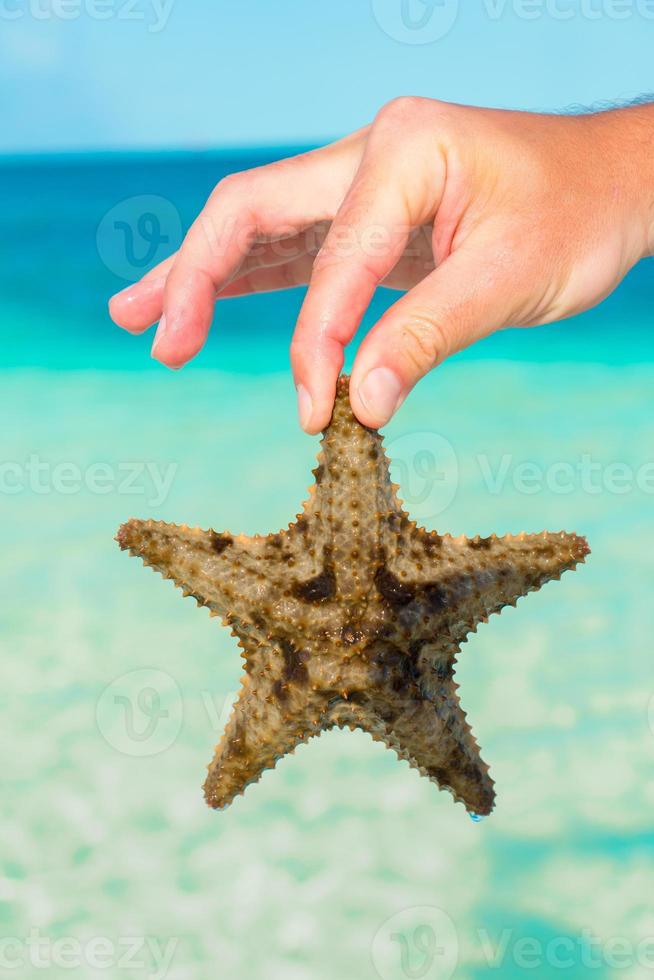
{"points": [[117, 154]]}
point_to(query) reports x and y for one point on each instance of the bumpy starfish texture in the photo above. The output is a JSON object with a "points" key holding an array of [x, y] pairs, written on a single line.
{"points": [[351, 617]]}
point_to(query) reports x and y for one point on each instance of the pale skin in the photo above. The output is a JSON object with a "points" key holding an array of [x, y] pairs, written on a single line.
{"points": [[484, 218]]}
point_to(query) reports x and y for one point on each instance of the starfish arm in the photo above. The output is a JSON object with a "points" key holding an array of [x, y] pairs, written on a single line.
{"points": [[222, 572], [510, 567], [254, 583], [436, 739], [450, 585], [352, 504], [268, 721]]}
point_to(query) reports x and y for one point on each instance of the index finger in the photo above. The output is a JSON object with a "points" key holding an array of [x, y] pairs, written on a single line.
{"points": [[259, 205], [366, 240]]}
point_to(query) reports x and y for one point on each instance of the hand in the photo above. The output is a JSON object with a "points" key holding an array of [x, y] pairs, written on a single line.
{"points": [[488, 218]]}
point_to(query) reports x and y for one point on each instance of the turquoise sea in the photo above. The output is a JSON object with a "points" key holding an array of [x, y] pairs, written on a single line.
{"points": [[342, 864]]}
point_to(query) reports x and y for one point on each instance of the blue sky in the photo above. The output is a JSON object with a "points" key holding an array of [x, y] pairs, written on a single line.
{"points": [[95, 74]]}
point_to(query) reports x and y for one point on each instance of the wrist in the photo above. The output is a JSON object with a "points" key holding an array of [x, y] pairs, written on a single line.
{"points": [[627, 136]]}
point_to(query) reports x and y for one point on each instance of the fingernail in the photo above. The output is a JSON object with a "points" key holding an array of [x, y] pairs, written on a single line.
{"points": [[380, 393], [158, 337], [304, 406]]}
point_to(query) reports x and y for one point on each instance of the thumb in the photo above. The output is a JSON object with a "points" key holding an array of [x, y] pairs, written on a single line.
{"points": [[461, 301]]}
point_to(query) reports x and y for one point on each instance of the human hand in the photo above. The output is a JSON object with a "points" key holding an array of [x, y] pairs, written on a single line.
{"points": [[488, 218]]}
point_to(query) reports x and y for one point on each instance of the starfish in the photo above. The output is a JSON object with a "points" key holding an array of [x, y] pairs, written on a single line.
{"points": [[351, 617]]}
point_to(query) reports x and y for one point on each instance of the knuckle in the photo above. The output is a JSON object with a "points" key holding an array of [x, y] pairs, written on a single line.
{"points": [[424, 341], [233, 185], [403, 107], [226, 185]]}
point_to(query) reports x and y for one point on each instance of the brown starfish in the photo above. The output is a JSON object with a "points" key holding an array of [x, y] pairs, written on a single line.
{"points": [[352, 617]]}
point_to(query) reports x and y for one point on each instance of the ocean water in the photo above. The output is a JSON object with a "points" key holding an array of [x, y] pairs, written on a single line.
{"points": [[114, 689]]}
